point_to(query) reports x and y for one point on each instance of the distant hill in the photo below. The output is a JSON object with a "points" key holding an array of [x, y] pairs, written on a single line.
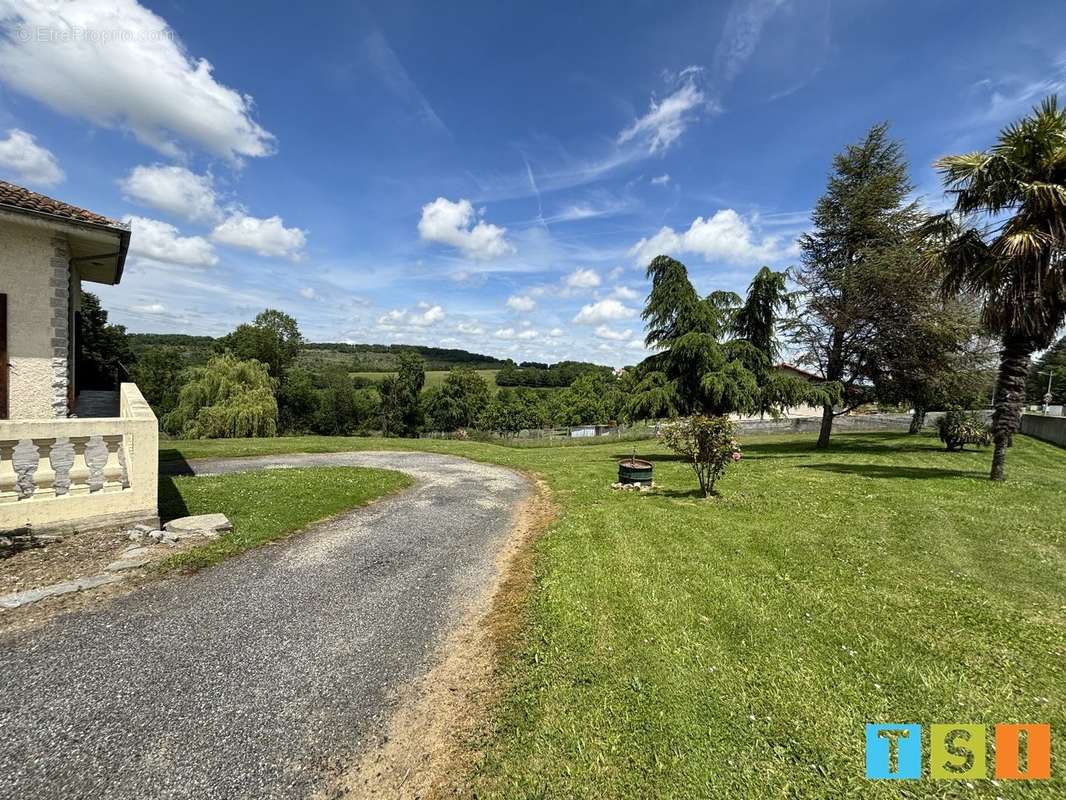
{"points": [[351, 357], [367, 361], [386, 357]]}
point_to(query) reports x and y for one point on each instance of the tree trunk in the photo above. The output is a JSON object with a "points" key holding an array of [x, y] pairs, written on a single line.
{"points": [[827, 427], [918, 420], [834, 371], [1014, 361]]}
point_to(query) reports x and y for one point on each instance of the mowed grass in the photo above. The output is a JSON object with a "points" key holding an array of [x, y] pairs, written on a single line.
{"points": [[735, 647], [265, 505]]}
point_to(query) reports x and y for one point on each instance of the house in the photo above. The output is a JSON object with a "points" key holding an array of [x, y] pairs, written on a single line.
{"points": [[58, 470]]}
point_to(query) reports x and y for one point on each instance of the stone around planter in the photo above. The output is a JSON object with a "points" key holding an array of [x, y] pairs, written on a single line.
{"points": [[201, 524]]}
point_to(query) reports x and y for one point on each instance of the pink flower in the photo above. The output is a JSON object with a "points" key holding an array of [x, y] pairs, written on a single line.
{"points": [[736, 456]]}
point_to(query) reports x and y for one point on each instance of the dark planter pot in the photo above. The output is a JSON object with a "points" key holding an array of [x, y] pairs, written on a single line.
{"points": [[634, 470]]}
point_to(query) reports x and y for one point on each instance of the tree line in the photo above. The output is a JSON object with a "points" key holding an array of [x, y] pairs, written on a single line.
{"points": [[889, 303]]}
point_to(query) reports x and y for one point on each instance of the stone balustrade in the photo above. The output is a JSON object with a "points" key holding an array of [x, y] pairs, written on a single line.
{"points": [[80, 473]]}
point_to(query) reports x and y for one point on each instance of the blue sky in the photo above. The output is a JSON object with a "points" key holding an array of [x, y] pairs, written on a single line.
{"points": [[492, 176]]}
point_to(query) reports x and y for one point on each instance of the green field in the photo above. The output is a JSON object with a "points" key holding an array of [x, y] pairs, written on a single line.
{"points": [[735, 647], [433, 377]]}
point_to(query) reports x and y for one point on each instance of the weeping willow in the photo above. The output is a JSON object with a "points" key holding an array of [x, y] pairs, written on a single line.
{"points": [[225, 399]]}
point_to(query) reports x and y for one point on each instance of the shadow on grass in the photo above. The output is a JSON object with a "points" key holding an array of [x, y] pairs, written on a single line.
{"points": [[894, 471], [755, 449], [171, 503], [686, 494]]}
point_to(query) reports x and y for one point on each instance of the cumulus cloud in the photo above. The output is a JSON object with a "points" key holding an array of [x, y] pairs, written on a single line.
{"points": [[145, 81], [603, 311], [27, 161], [556, 333], [267, 237], [307, 293], [161, 241], [667, 119], [504, 333], [457, 224], [470, 328], [173, 189], [625, 293], [582, 279], [725, 236], [422, 316], [660, 180], [521, 303], [603, 332]]}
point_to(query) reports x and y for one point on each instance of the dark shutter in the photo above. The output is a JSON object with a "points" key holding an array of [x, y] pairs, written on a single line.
{"points": [[4, 366]]}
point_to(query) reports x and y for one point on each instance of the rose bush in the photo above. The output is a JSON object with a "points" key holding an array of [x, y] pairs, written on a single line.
{"points": [[709, 444]]}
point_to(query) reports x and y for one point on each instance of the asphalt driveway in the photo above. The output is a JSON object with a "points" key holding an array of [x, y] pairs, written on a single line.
{"points": [[261, 677]]}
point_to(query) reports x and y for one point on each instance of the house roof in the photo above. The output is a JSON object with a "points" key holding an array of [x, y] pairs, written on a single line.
{"points": [[19, 197], [97, 243], [802, 372]]}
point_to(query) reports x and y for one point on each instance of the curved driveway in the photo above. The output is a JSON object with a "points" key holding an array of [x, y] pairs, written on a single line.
{"points": [[260, 677]]}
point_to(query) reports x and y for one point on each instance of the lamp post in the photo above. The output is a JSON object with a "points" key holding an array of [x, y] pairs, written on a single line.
{"points": [[1047, 396]]}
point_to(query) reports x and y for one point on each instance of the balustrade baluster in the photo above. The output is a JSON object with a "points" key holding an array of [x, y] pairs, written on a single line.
{"points": [[44, 478], [112, 469], [79, 469]]}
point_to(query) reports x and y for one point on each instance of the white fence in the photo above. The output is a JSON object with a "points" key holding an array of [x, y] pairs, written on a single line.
{"points": [[81, 473]]}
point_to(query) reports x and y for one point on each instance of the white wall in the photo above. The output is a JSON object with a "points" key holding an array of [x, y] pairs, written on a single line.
{"points": [[33, 275]]}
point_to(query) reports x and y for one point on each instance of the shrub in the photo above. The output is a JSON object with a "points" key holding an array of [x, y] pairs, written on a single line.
{"points": [[959, 428], [708, 443]]}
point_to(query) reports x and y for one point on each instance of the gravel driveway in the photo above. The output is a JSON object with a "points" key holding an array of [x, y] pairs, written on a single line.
{"points": [[260, 677]]}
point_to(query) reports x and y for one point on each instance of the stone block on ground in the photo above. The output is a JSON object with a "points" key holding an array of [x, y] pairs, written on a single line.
{"points": [[18, 599], [125, 563], [203, 524]]}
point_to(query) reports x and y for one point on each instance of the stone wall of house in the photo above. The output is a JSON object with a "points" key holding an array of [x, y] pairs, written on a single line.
{"points": [[35, 276]]}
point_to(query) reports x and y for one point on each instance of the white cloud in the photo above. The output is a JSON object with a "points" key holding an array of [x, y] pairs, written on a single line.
{"points": [[521, 303], [173, 189], [151, 308], [422, 317], [604, 311], [625, 293], [457, 224], [660, 180], [556, 333], [525, 335], [726, 236], [666, 120], [161, 241], [307, 293], [636, 344], [267, 237], [27, 161], [603, 332], [582, 279], [470, 328], [144, 81]]}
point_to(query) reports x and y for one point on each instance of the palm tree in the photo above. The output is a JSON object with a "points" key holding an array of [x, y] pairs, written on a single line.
{"points": [[1005, 240]]}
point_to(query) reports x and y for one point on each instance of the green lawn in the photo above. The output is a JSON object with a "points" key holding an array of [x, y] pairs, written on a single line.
{"points": [[735, 647], [264, 505]]}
